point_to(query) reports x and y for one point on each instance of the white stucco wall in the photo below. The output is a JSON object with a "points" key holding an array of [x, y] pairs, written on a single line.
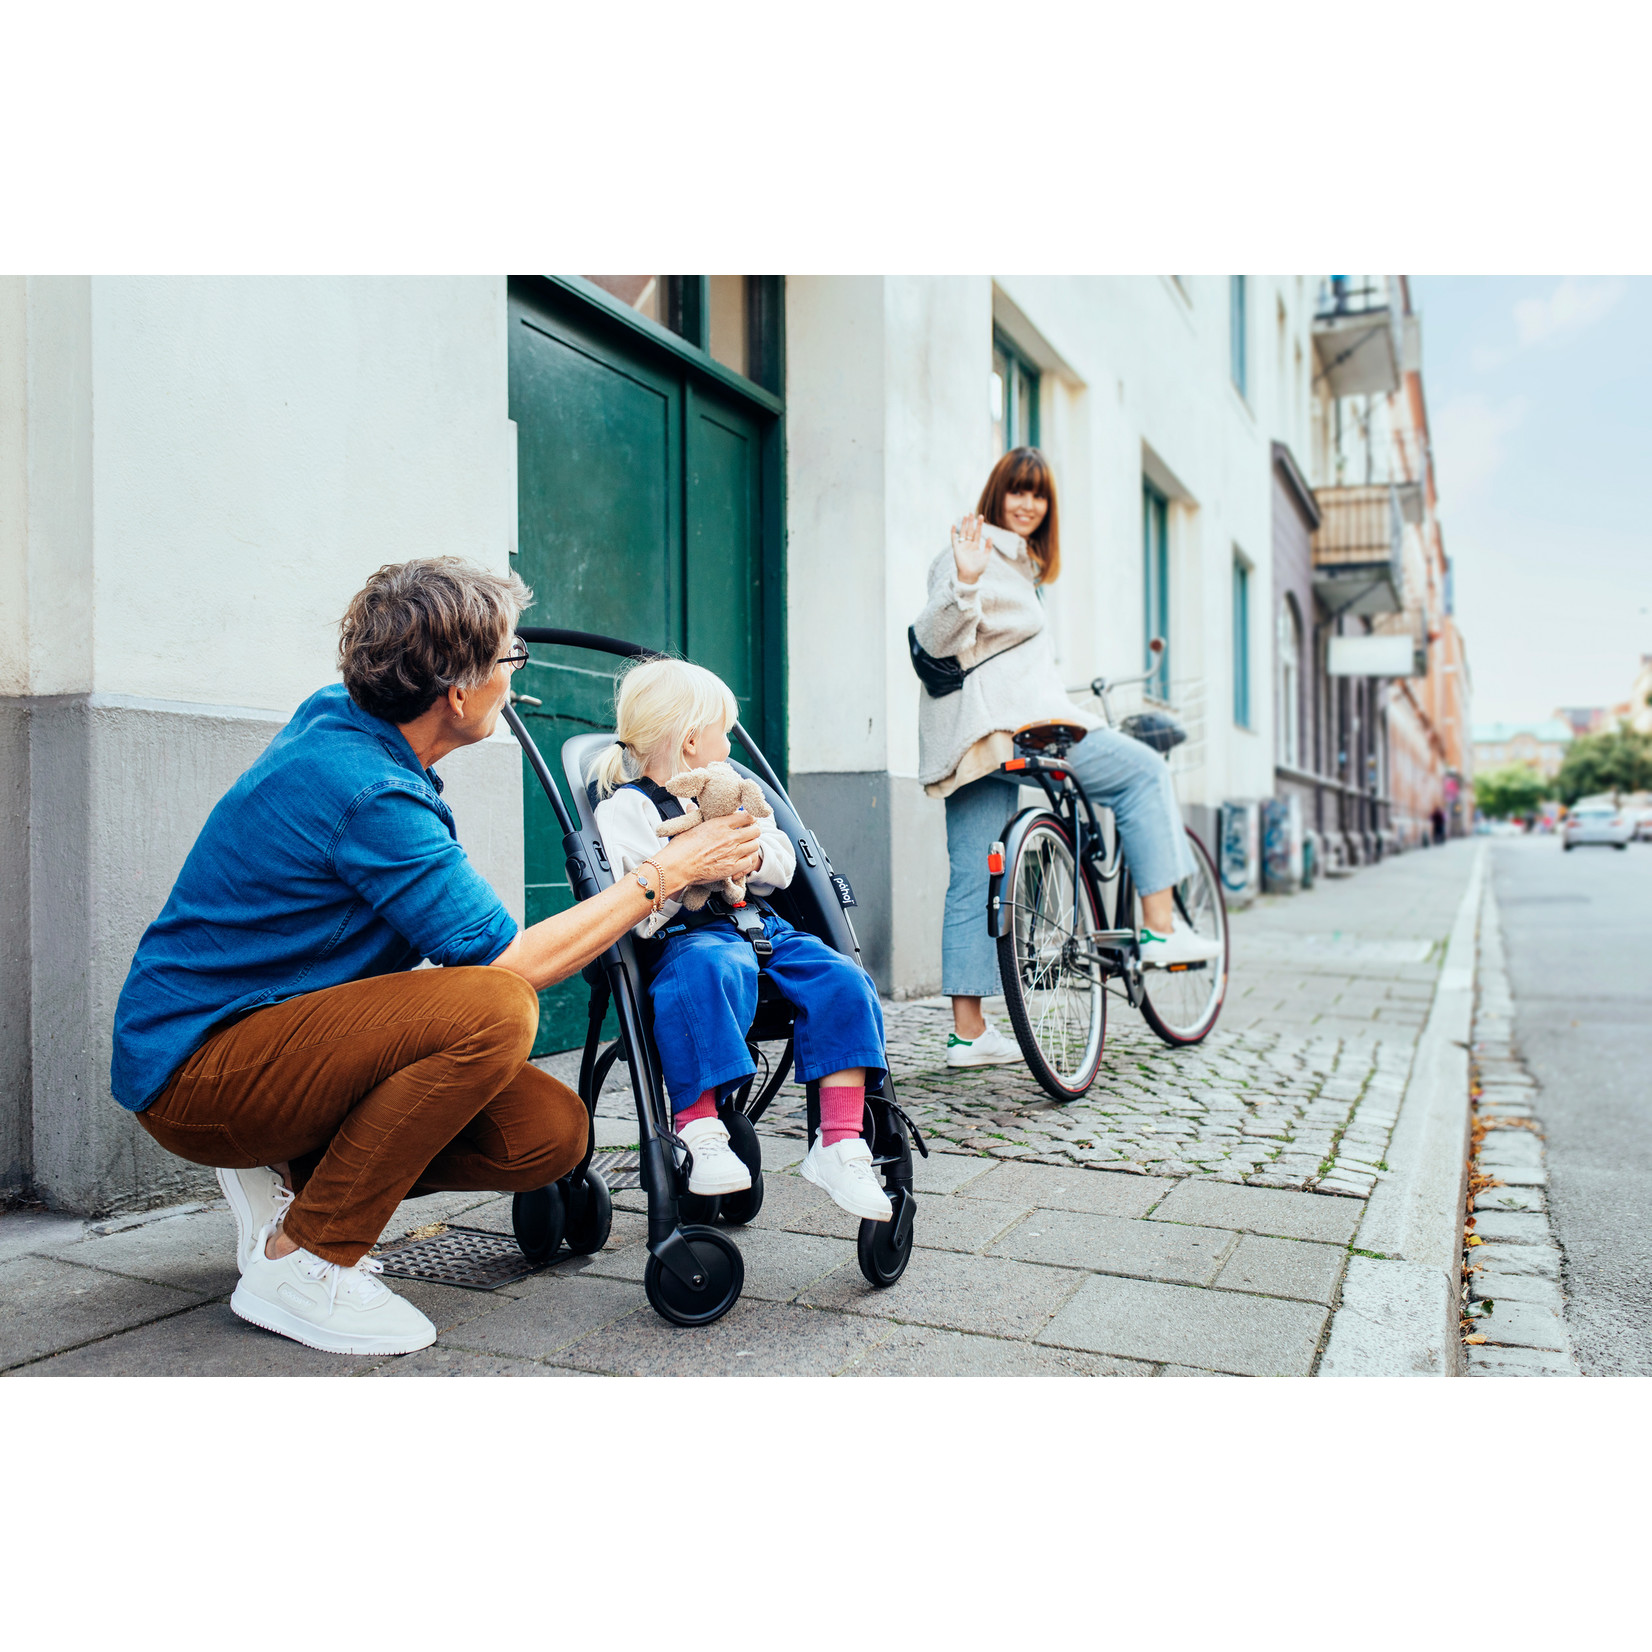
{"points": [[268, 442]]}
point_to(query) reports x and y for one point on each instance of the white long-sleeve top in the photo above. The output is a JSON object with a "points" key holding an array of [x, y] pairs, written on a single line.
{"points": [[629, 823]]}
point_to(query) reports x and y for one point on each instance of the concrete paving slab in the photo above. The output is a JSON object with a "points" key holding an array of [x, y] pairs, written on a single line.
{"points": [[792, 1203], [1513, 1324], [1540, 1260], [50, 1305], [1519, 1362], [948, 1172], [447, 1306], [1512, 1227], [1102, 1192], [1111, 1244], [1190, 1371], [1485, 1286], [754, 1339], [1396, 1319], [781, 1153], [438, 1361], [206, 1342], [194, 1253], [780, 1264], [918, 1351], [989, 1294], [1509, 1197], [1220, 1330], [553, 1311], [961, 1224], [1294, 1268], [22, 1232], [1276, 1211]]}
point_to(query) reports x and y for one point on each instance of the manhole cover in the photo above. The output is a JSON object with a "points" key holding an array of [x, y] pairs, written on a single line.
{"points": [[619, 1168]]}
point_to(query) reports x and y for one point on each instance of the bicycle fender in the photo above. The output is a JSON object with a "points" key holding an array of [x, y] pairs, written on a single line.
{"points": [[998, 910]]}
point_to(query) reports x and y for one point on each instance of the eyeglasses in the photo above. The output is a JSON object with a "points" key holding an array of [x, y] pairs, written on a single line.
{"points": [[517, 658]]}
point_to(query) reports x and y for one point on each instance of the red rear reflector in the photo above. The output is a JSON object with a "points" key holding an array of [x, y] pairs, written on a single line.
{"points": [[995, 865], [1016, 763]]}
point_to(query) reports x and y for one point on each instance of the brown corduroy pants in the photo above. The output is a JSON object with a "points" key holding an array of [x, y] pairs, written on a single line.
{"points": [[417, 1082]]}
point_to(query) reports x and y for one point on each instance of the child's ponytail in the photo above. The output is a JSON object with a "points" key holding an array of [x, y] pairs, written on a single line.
{"points": [[609, 772]]}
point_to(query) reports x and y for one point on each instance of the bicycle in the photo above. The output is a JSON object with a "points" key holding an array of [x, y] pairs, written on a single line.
{"points": [[1057, 894]]}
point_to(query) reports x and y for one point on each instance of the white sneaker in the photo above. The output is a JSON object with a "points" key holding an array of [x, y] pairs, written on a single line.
{"points": [[717, 1167], [991, 1049], [1181, 946], [258, 1198], [339, 1310], [844, 1171]]}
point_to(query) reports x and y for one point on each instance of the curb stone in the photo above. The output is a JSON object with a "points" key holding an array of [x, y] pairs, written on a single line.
{"points": [[1398, 1311]]}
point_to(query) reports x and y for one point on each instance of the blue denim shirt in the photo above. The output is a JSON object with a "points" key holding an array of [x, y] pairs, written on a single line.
{"points": [[331, 859]]}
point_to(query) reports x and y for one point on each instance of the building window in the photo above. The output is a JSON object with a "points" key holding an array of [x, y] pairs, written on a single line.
{"points": [[1014, 397], [733, 318], [1155, 513], [1290, 685], [1241, 642], [1236, 334]]}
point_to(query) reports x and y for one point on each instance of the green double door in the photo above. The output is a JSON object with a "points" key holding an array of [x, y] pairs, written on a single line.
{"points": [[640, 515]]}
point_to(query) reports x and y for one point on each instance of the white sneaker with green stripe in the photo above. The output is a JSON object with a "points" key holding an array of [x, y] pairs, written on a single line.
{"points": [[1181, 946], [991, 1049]]}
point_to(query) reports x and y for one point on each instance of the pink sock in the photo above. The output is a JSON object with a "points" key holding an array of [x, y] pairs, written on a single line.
{"points": [[841, 1111], [704, 1108]]}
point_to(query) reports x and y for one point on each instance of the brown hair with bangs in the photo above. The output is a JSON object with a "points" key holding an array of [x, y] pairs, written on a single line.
{"points": [[1026, 470]]}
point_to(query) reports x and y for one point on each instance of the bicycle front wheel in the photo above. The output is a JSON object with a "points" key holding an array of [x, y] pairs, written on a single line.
{"points": [[1181, 1003], [1053, 987]]}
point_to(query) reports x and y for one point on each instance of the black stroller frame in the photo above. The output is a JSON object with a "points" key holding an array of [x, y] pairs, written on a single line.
{"points": [[694, 1271]]}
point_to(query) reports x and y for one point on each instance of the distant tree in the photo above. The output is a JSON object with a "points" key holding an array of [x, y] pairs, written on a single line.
{"points": [[1514, 789], [1618, 760]]}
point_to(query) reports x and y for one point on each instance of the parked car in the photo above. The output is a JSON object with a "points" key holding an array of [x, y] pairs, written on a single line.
{"points": [[1598, 823], [1643, 827]]}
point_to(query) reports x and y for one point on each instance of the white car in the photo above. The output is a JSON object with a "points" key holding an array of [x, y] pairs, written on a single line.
{"points": [[1598, 823]]}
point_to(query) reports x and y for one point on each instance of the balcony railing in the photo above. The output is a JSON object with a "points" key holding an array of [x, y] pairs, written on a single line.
{"points": [[1355, 340], [1357, 550]]}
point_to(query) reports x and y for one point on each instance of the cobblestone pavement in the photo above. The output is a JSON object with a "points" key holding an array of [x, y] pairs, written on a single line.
{"points": [[1217, 1250], [1514, 1307]]}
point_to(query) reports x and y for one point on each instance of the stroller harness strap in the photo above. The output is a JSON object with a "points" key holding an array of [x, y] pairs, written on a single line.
{"points": [[748, 919]]}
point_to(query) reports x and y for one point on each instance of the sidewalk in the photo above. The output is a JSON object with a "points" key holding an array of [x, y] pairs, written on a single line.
{"points": [[1192, 1216]]}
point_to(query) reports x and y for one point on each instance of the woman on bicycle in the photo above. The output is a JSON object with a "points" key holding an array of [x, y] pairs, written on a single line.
{"points": [[985, 608]]}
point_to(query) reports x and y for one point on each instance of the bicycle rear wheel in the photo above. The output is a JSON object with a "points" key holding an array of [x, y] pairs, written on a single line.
{"points": [[1181, 1004], [1052, 982]]}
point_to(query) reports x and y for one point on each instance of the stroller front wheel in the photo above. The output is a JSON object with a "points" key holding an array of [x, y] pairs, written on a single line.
{"points": [[884, 1248], [675, 1300]]}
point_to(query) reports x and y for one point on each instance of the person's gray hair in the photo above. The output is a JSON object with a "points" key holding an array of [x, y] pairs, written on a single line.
{"points": [[417, 629]]}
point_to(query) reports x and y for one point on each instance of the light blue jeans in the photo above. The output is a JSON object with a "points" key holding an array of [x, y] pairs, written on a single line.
{"points": [[1119, 773]]}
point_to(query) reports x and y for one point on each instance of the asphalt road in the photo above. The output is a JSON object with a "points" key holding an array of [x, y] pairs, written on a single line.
{"points": [[1578, 931]]}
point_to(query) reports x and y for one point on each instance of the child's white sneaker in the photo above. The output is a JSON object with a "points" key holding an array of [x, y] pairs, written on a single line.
{"points": [[844, 1171], [717, 1167], [258, 1197]]}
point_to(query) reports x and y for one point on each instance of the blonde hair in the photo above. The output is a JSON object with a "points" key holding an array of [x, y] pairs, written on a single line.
{"points": [[658, 704]]}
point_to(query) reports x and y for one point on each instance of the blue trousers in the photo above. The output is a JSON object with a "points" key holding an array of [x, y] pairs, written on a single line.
{"points": [[705, 995], [1119, 773]]}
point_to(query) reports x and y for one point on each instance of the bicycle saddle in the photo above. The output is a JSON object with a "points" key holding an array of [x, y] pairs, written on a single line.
{"points": [[1049, 735]]}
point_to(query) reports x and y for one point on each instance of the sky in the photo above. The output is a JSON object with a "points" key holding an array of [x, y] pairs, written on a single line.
{"points": [[1540, 404]]}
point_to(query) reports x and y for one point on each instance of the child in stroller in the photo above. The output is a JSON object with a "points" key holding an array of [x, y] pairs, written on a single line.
{"points": [[703, 968]]}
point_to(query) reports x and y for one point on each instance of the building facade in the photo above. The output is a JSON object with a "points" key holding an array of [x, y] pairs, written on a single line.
{"points": [[195, 475], [1541, 746]]}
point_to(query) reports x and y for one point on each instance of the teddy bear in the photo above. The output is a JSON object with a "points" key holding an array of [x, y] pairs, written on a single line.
{"points": [[707, 793]]}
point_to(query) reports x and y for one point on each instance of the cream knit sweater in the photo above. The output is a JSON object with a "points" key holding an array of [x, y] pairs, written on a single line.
{"points": [[976, 622]]}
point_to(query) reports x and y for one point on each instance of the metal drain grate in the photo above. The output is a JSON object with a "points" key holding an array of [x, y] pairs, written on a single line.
{"points": [[619, 1169], [471, 1258]]}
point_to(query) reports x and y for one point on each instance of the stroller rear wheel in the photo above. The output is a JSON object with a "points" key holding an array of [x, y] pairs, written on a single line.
{"points": [[739, 1208], [538, 1218], [676, 1300], [588, 1230], [884, 1248]]}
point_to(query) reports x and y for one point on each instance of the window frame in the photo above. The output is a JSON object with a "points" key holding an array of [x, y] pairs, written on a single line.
{"points": [[1238, 335], [1025, 380], [1243, 710], [1156, 589], [1288, 643]]}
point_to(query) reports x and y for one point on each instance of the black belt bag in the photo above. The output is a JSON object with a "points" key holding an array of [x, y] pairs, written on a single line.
{"points": [[945, 676]]}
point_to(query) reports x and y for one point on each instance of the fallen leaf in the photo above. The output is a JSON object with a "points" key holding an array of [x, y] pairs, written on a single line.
{"points": [[1474, 1339], [1474, 1239]]}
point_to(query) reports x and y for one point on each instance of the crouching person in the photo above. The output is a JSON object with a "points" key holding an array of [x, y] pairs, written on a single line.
{"points": [[274, 1024]]}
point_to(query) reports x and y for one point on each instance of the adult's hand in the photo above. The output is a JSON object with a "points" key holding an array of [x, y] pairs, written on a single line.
{"points": [[553, 949], [726, 847], [970, 549]]}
